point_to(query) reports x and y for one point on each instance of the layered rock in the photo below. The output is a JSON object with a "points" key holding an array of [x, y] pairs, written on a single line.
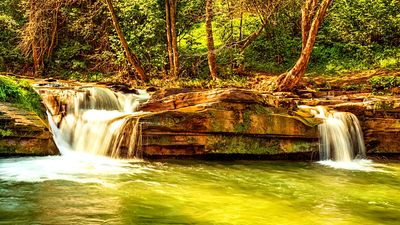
{"points": [[225, 121], [23, 133], [380, 120], [379, 117]]}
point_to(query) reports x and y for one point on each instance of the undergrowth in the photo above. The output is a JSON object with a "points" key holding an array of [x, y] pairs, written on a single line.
{"points": [[21, 93], [384, 84]]}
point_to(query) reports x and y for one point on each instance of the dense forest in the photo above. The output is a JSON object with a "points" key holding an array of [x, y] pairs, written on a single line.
{"points": [[155, 41]]}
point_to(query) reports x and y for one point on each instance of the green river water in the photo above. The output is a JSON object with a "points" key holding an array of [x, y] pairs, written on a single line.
{"points": [[73, 190]]}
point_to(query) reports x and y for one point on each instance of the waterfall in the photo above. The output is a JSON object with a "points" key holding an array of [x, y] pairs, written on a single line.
{"points": [[341, 137], [101, 122]]}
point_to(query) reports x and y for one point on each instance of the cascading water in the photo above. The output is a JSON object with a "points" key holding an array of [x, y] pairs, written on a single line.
{"points": [[101, 122], [341, 137]]}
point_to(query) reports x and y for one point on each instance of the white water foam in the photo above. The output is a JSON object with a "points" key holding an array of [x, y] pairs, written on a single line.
{"points": [[78, 167], [357, 164]]}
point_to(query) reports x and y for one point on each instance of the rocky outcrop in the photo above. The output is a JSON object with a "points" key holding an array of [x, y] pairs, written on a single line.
{"points": [[380, 120], [23, 133], [247, 122], [212, 122], [379, 117], [225, 121], [186, 122]]}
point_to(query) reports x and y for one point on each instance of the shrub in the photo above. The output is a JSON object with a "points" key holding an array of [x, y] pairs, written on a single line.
{"points": [[384, 83], [21, 93]]}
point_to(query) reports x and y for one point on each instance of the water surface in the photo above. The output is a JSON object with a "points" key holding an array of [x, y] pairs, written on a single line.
{"points": [[76, 189]]}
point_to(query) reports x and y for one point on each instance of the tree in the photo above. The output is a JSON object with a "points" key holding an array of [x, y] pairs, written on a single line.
{"points": [[313, 13], [40, 33], [172, 43], [210, 40], [132, 58]]}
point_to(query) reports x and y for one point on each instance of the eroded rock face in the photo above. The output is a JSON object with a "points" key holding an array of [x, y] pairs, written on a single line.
{"points": [[246, 122], [23, 133], [380, 120], [164, 100], [225, 121]]}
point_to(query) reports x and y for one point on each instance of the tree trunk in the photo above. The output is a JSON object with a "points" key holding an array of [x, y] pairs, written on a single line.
{"points": [[173, 54], [36, 63], [54, 32], [174, 37], [243, 44], [312, 17], [210, 40], [132, 58], [169, 38], [241, 25]]}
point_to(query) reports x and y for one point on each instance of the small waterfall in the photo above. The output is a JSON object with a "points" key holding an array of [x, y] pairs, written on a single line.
{"points": [[102, 122], [341, 137]]}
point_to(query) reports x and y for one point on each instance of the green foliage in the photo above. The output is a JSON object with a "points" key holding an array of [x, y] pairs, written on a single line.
{"points": [[275, 52], [279, 46], [190, 13], [356, 35], [364, 22], [10, 22], [6, 132], [384, 83], [83, 50], [21, 93], [68, 56], [143, 24], [201, 83], [347, 41]]}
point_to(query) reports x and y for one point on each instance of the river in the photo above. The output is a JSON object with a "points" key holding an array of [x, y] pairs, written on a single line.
{"points": [[81, 189]]}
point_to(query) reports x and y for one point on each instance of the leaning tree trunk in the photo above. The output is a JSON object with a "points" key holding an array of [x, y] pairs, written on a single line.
{"points": [[312, 17], [132, 58], [265, 9], [212, 64], [247, 42]]}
